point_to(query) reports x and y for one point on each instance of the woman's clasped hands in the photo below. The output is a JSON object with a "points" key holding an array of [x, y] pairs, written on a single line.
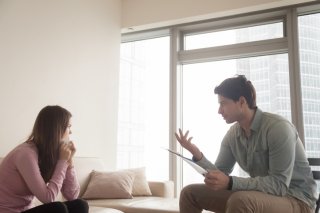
{"points": [[67, 151]]}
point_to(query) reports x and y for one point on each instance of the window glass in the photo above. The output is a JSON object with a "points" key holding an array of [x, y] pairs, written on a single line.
{"points": [[270, 77], [309, 41], [234, 36], [143, 118]]}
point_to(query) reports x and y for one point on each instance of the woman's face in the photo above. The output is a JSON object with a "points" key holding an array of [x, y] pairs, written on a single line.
{"points": [[67, 133]]}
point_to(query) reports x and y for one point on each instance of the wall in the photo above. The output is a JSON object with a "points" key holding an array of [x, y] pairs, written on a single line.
{"points": [[63, 52], [146, 14]]}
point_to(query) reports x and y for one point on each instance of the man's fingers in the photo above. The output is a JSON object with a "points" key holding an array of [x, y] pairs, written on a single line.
{"points": [[180, 131], [186, 135], [183, 138], [177, 137]]}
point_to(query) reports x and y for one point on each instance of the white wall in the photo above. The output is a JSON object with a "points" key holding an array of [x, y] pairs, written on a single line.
{"points": [[147, 14], [63, 52]]}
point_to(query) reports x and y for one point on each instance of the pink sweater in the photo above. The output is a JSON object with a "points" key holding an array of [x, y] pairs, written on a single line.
{"points": [[20, 180]]}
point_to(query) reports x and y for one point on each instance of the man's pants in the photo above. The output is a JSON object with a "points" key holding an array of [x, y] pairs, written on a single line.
{"points": [[196, 197]]}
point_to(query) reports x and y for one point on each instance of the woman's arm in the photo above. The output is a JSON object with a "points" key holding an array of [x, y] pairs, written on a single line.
{"points": [[70, 188], [28, 167]]}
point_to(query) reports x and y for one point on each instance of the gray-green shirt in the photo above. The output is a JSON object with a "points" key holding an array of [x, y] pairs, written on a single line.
{"points": [[273, 156]]}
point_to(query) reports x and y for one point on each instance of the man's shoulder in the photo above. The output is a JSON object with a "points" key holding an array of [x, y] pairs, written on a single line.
{"points": [[275, 120], [273, 117]]}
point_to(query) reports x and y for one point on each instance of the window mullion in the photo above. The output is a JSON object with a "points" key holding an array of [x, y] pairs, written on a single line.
{"points": [[294, 74], [176, 107]]}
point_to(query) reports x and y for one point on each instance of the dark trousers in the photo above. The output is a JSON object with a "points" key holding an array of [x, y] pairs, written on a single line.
{"points": [[74, 206]]}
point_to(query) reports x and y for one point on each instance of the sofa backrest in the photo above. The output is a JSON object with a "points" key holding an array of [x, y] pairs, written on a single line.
{"points": [[83, 167]]}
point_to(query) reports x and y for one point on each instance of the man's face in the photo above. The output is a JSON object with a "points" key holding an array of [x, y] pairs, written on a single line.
{"points": [[229, 109]]}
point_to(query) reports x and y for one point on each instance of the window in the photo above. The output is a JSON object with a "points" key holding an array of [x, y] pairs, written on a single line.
{"points": [[309, 40], [200, 105], [209, 58], [263, 46], [143, 118]]}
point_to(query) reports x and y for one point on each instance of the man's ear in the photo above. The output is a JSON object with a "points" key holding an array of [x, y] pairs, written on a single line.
{"points": [[242, 100]]}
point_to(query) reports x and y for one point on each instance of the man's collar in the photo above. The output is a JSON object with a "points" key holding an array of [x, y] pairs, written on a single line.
{"points": [[256, 122]]}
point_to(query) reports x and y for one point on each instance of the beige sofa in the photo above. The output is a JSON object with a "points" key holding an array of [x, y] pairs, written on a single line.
{"points": [[161, 201]]}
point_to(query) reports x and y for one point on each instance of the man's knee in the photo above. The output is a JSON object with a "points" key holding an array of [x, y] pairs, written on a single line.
{"points": [[239, 202], [189, 199], [189, 190], [185, 193]]}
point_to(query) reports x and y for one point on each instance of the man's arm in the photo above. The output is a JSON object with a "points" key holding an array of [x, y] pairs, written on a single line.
{"points": [[225, 160]]}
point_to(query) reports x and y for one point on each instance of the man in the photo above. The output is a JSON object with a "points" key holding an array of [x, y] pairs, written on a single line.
{"points": [[264, 145]]}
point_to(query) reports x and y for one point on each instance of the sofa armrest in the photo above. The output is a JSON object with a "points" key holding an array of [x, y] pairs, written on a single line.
{"points": [[162, 189]]}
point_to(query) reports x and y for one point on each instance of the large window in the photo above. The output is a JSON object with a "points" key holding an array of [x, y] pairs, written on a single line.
{"points": [[143, 118], [168, 82], [309, 40], [200, 105]]}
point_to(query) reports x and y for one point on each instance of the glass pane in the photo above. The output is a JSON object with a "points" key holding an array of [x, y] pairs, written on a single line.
{"points": [[309, 40], [270, 77], [143, 119], [234, 36]]}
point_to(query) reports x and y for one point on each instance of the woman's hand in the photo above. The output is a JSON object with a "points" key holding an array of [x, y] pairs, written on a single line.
{"points": [[65, 152], [217, 180], [73, 151], [185, 142], [72, 148]]}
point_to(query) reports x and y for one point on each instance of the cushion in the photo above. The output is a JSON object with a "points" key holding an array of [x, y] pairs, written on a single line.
{"points": [[140, 183], [116, 184]]}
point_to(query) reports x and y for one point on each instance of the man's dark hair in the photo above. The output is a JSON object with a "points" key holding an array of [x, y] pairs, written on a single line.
{"points": [[235, 87]]}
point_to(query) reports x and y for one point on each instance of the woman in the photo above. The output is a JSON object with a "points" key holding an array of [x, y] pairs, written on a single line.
{"points": [[41, 167]]}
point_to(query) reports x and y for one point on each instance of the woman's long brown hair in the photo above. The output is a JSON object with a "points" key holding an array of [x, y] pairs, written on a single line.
{"points": [[49, 127]]}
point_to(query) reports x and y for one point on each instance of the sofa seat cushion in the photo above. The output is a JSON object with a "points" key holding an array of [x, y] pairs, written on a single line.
{"points": [[140, 204], [94, 209]]}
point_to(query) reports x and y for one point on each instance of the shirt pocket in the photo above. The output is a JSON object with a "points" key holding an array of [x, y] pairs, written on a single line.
{"points": [[260, 163]]}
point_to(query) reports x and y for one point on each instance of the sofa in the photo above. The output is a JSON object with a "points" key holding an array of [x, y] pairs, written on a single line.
{"points": [[161, 199]]}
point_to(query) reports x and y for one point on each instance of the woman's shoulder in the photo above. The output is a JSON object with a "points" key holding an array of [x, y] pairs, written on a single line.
{"points": [[26, 146], [25, 150]]}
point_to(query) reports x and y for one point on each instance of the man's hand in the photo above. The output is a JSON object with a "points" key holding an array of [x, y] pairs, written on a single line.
{"points": [[185, 142], [217, 180]]}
